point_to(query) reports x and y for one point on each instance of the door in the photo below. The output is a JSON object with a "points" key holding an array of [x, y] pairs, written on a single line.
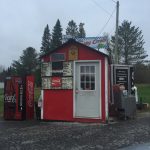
{"points": [[87, 90]]}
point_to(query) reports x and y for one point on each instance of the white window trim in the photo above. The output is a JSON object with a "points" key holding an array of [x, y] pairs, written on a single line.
{"points": [[85, 74]]}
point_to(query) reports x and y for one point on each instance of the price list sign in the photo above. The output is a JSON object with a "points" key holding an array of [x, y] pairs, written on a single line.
{"points": [[122, 77], [46, 69], [67, 69], [57, 75], [67, 82]]}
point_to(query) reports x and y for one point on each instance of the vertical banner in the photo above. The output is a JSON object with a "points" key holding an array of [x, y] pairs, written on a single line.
{"points": [[20, 96], [29, 97]]}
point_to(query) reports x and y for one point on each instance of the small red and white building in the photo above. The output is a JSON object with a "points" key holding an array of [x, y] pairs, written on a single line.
{"points": [[75, 84]]}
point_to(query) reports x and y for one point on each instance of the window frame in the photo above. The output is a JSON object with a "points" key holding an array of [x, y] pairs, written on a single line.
{"points": [[89, 73]]}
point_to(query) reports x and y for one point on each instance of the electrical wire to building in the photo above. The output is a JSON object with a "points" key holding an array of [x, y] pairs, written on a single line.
{"points": [[105, 25], [110, 15], [113, 1], [98, 5]]}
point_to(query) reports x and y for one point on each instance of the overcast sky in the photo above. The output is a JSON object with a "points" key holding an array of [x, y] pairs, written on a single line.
{"points": [[22, 22]]}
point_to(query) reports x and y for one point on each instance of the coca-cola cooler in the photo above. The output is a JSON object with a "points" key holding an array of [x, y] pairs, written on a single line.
{"points": [[19, 98]]}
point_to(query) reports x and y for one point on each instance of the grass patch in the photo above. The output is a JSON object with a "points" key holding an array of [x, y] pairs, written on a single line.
{"points": [[37, 92], [144, 92]]}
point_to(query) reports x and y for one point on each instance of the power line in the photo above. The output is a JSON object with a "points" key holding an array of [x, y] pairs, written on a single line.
{"points": [[112, 31], [113, 1], [107, 22], [97, 4]]}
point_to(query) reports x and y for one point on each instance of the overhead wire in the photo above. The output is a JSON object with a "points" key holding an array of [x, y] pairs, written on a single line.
{"points": [[97, 4], [110, 14], [113, 1], [107, 22], [112, 31]]}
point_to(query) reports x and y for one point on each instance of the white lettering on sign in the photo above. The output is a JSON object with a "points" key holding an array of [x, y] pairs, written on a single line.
{"points": [[67, 83], [94, 42], [46, 69], [67, 69], [46, 82], [56, 80], [30, 92], [10, 98]]}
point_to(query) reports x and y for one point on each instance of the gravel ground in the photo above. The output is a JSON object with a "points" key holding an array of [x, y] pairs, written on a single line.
{"points": [[39, 135]]}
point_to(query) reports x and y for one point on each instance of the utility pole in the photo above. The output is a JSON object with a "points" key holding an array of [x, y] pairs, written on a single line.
{"points": [[116, 35]]}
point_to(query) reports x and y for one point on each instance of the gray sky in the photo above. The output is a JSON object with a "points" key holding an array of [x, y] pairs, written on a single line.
{"points": [[22, 22]]}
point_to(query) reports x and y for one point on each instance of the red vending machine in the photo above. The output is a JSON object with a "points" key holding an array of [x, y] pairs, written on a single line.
{"points": [[18, 93]]}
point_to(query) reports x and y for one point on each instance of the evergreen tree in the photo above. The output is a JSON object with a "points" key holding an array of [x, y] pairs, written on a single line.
{"points": [[81, 33], [130, 44], [46, 40], [27, 63], [72, 29], [56, 35], [139, 71]]}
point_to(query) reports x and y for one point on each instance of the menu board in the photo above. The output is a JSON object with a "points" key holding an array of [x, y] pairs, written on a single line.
{"points": [[67, 83], [57, 75], [67, 68], [46, 69], [46, 83], [57, 83], [122, 77]]}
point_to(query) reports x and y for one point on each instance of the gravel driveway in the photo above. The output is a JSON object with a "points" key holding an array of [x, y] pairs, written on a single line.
{"points": [[39, 135]]}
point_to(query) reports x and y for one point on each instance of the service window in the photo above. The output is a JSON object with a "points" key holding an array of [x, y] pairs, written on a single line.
{"points": [[87, 77]]}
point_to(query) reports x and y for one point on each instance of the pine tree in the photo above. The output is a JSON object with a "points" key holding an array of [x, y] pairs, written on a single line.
{"points": [[72, 29], [81, 33], [46, 40], [56, 35], [130, 44], [27, 63]]}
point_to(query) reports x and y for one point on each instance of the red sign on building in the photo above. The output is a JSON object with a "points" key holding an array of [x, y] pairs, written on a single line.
{"points": [[56, 82]]}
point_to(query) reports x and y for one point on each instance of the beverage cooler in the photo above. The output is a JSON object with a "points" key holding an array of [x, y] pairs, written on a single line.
{"points": [[123, 101], [19, 98]]}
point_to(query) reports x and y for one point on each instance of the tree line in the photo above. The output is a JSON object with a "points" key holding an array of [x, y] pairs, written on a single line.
{"points": [[130, 44], [130, 49], [29, 63], [53, 40]]}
